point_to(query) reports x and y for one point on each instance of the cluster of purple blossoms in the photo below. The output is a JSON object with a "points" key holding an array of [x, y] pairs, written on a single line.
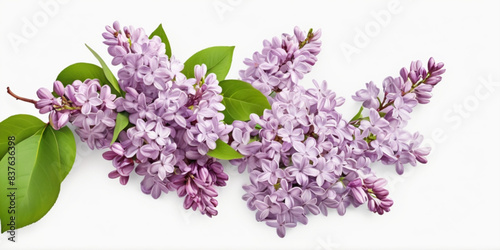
{"points": [[303, 157], [384, 134], [282, 62], [87, 105], [304, 161], [175, 121]]}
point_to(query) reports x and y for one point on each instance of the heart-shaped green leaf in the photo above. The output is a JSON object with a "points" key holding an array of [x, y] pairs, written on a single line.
{"points": [[82, 72], [11, 126], [32, 169], [241, 99], [217, 59]]}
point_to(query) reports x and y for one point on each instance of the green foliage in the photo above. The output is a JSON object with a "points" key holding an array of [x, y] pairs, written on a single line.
{"points": [[217, 59], [358, 115], [224, 152], [241, 99], [82, 72], [109, 75], [32, 168], [121, 123]]}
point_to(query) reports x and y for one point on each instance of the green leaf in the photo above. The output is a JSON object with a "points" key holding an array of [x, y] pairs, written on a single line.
{"points": [[163, 36], [82, 72], [40, 163], [11, 127], [358, 115], [241, 99], [224, 152], [107, 72], [217, 59], [121, 124], [64, 145]]}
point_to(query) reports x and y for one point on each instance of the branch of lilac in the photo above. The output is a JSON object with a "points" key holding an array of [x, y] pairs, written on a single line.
{"points": [[302, 156], [400, 92]]}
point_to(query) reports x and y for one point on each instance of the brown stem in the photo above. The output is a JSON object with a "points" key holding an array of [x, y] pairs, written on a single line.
{"points": [[20, 98]]}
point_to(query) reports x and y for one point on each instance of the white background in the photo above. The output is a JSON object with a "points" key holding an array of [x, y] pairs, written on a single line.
{"points": [[452, 202]]}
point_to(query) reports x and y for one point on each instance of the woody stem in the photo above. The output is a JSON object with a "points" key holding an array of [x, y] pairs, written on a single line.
{"points": [[20, 98]]}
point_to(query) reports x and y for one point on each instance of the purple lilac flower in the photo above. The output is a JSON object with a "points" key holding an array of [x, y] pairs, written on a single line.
{"points": [[303, 150], [197, 186], [59, 108], [378, 202], [95, 120], [87, 105], [368, 96], [282, 62], [383, 128], [124, 166], [304, 157], [175, 121]]}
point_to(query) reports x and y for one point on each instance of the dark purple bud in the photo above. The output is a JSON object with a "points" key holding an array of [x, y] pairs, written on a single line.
{"points": [[211, 212], [430, 64], [439, 66], [124, 180], [109, 29], [108, 35], [116, 26], [413, 66], [372, 206], [421, 159], [438, 72], [387, 203], [355, 183], [63, 119], [419, 65], [433, 80], [59, 88], [423, 73], [111, 42], [210, 191], [214, 202], [380, 183], [70, 93], [44, 93], [45, 109], [316, 35], [403, 73], [382, 193], [413, 77], [423, 100], [113, 174]]}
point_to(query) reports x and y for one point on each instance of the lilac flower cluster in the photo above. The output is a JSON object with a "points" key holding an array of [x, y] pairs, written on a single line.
{"points": [[303, 157], [303, 161], [383, 131], [175, 121], [282, 62], [87, 105]]}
